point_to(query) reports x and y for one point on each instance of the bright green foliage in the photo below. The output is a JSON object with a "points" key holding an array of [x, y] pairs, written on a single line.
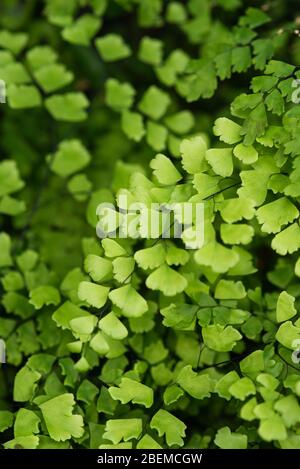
{"points": [[119, 96], [23, 96], [130, 390], [94, 294], [285, 308], [112, 47], [171, 427], [70, 158], [151, 51], [82, 31], [143, 341], [61, 423], [154, 103], [70, 107], [44, 295], [226, 439], [123, 429], [196, 386]]}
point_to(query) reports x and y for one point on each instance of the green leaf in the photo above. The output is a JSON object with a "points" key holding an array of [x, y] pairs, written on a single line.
{"points": [[180, 123], [242, 388], [147, 442], [289, 410], [279, 69], [220, 338], [220, 160], [80, 187], [253, 364], [99, 6], [246, 154], [132, 391], [254, 17], [156, 135], [236, 234], [255, 125], [15, 42], [133, 125], [83, 325], [164, 170], [41, 362], [27, 260], [167, 424], [53, 77], [241, 59], [196, 385], [275, 103], [287, 241], [176, 13], [119, 96], [99, 344], [87, 392], [223, 64], [82, 30], [95, 295], [113, 327], [69, 107], [60, 422], [166, 280], [179, 316], [151, 51], [123, 268], [227, 130], [263, 83], [25, 384], [23, 96], [27, 423], [67, 312], [173, 66], [172, 394], [6, 57], [122, 429], [40, 56], [14, 73], [129, 301], [150, 258], [193, 152], [6, 420], [17, 304], [5, 248], [154, 103], [225, 439], [254, 187], [227, 289], [223, 385], [98, 268], [11, 206], [112, 47], [216, 256], [9, 178], [247, 410], [285, 211], [263, 50], [203, 83], [176, 256], [70, 157], [288, 334], [26, 442], [44, 295], [285, 308], [272, 429]]}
